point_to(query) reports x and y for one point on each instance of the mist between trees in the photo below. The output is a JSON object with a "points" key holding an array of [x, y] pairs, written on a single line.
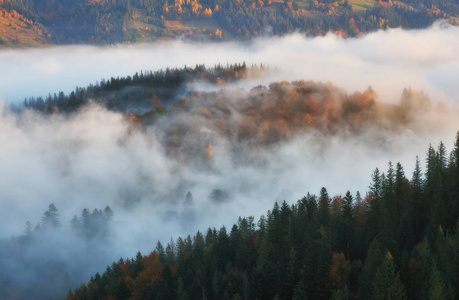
{"points": [[397, 242]]}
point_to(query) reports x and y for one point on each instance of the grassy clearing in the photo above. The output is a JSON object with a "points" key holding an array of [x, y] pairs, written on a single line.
{"points": [[140, 31], [362, 4], [304, 4], [207, 24]]}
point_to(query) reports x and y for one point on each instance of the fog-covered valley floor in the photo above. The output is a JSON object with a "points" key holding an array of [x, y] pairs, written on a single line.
{"points": [[97, 158]]}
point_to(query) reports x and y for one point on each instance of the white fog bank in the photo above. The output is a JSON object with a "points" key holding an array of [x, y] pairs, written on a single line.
{"points": [[96, 158], [388, 60]]}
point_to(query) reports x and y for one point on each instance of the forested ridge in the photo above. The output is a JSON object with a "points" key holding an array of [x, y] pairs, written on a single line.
{"points": [[34, 23], [398, 241], [134, 94], [166, 102], [397, 237]]}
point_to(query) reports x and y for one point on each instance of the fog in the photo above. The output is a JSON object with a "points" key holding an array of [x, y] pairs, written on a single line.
{"points": [[387, 60], [97, 157]]}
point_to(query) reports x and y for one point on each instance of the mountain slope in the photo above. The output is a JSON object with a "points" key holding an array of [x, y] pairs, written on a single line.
{"points": [[126, 21], [18, 31], [398, 242]]}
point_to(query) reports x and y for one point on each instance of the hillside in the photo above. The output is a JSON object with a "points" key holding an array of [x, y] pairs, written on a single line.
{"points": [[163, 133], [18, 31], [398, 242], [31, 23], [260, 118]]}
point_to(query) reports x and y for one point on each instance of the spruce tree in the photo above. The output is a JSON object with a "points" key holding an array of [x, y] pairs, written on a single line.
{"points": [[161, 253], [437, 286], [387, 285], [324, 207]]}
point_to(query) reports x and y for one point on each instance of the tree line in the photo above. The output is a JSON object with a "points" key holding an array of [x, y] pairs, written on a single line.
{"points": [[42, 262], [89, 225], [398, 241], [133, 92]]}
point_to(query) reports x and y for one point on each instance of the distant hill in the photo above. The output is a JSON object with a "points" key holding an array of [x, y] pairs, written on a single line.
{"points": [[263, 116], [25, 23]]}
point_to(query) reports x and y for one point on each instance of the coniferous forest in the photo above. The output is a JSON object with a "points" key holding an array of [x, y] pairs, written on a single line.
{"points": [[134, 94], [229, 149], [397, 241]]}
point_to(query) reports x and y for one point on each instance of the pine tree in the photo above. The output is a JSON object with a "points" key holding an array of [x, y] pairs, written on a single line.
{"points": [[299, 292], [388, 185], [403, 209], [431, 176], [170, 258], [108, 213], [441, 158], [161, 253], [181, 292], [346, 209], [437, 286], [324, 207], [28, 230], [367, 275], [181, 249], [358, 199], [375, 205], [199, 245], [420, 211], [348, 225], [376, 185], [50, 218], [189, 199], [387, 285], [75, 223]]}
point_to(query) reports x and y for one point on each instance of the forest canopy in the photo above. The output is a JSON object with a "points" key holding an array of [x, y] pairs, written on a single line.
{"points": [[34, 23]]}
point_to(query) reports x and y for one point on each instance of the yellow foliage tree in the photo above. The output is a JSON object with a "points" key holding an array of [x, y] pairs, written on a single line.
{"points": [[218, 33], [339, 270], [210, 154]]}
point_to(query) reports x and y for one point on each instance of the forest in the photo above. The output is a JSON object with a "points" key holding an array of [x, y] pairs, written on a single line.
{"points": [[166, 102], [134, 94], [36, 254], [385, 243], [27, 23], [303, 177], [397, 241]]}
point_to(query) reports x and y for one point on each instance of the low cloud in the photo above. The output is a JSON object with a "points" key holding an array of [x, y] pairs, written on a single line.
{"points": [[388, 60], [97, 157]]}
